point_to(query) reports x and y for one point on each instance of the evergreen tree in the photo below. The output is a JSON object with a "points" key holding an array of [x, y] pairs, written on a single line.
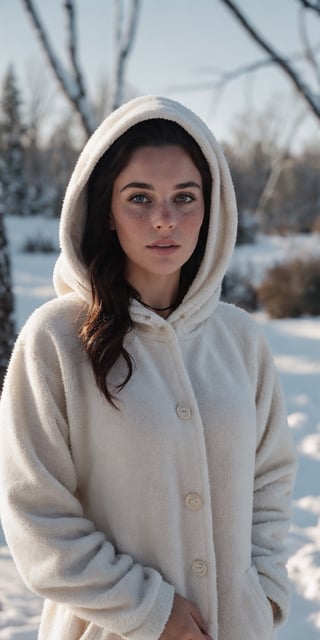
{"points": [[12, 200], [14, 190], [7, 328]]}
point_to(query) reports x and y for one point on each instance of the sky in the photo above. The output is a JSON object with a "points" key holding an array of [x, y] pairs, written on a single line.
{"points": [[178, 45]]}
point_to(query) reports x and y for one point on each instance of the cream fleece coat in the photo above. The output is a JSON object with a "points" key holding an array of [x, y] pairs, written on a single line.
{"points": [[187, 488]]}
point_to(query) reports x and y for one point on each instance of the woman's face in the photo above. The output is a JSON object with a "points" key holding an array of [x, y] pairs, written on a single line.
{"points": [[157, 208]]}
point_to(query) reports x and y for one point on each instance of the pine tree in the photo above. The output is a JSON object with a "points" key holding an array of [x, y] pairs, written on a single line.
{"points": [[12, 199], [14, 189], [7, 328]]}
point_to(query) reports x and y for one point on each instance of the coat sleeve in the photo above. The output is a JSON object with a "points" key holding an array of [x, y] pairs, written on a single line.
{"points": [[273, 484], [59, 552]]}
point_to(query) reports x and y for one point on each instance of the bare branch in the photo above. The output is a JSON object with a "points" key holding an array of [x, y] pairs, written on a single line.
{"points": [[312, 100], [72, 45], [294, 56], [72, 88], [278, 164], [309, 49], [128, 37], [124, 39], [223, 77], [309, 4], [44, 38], [85, 110], [40, 98]]}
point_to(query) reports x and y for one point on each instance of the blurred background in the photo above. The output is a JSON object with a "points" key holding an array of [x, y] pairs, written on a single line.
{"points": [[251, 70]]}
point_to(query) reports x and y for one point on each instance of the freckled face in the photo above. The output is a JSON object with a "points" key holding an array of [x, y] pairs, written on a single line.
{"points": [[157, 209]]}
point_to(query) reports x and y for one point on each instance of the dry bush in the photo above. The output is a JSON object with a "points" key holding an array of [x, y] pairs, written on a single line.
{"points": [[292, 289], [316, 225], [39, 244], [237, 289]]}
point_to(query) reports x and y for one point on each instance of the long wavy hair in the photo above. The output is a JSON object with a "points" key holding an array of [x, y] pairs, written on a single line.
{"points": [[108, 319]]}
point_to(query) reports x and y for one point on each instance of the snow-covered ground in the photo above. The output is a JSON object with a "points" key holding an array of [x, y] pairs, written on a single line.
{"points": [[296, 347], [253, 260]]}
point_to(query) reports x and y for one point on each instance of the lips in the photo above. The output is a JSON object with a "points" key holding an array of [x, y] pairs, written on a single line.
{"points": [[161, 249], [163, 244]]}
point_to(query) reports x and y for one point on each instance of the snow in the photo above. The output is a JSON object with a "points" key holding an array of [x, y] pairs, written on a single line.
{"points": [[296, 347], [254, 259], [31, 272]]}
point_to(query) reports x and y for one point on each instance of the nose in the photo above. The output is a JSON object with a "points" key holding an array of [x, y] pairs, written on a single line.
{"points": [[164, 217]]}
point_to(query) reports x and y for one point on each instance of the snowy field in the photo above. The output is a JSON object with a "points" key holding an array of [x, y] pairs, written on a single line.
{"points": [[296, 348]]}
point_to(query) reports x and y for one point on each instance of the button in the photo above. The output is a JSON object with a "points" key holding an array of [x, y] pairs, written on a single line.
{"points": [[183, 412], [147, 318], [199, 568], [163, 329], [193, 501]]}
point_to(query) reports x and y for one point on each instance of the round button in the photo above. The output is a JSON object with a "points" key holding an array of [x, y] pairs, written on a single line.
{"points": [[183, 412], [193, 501], [199, 568], [163, 329], [148, 318]]}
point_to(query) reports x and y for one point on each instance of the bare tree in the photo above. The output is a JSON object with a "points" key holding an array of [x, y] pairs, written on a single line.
{"points": [[311, 4], [304, 87], [39, 100], [72, 82], [124, 38], [278, 163]]}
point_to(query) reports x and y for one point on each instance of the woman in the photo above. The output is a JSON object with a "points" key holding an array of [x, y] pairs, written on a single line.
{"points": [[146, 463]]}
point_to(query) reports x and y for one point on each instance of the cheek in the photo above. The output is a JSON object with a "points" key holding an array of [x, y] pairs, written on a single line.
{"points": [[129, 231], [133, 227], [192, 225]]}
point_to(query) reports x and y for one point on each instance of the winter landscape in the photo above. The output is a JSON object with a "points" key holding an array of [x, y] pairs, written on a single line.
{"points": [[90, 57], [296, 347]]}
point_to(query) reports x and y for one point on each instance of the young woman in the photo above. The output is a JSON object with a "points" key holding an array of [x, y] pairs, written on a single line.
{"points": [[146, 462]]}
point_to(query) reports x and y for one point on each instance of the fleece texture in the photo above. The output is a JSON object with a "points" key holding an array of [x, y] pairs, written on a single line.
{"points": [[187, 487]]}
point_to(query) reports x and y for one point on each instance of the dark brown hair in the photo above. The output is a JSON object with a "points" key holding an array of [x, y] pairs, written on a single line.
{"points": [[108, 319]]}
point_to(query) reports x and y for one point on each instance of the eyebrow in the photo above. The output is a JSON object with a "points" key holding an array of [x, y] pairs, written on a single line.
{"points": [[145, 185]]}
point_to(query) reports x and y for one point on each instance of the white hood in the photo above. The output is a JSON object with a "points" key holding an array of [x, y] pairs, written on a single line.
{"points": [[70, 271]]}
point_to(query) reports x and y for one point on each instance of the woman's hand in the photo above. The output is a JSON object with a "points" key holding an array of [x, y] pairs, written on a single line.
{"points": [[275, 609], [185, 622]]}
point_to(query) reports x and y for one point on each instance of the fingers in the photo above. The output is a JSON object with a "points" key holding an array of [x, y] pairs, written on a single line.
{"points": [[200, 623], [197, 633], [185, 622], [195, 613]]}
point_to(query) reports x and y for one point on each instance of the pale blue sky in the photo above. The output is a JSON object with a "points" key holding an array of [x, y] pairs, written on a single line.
{"points": [[175, 40]]}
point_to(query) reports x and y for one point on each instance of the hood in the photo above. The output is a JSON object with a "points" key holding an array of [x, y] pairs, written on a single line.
{"points": [[70, 274]]}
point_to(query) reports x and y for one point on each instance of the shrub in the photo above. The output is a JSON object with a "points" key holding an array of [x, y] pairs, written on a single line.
{"points": [[39, 244], [316, 225], [237, 289], [292, 289], [247, 228]]}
